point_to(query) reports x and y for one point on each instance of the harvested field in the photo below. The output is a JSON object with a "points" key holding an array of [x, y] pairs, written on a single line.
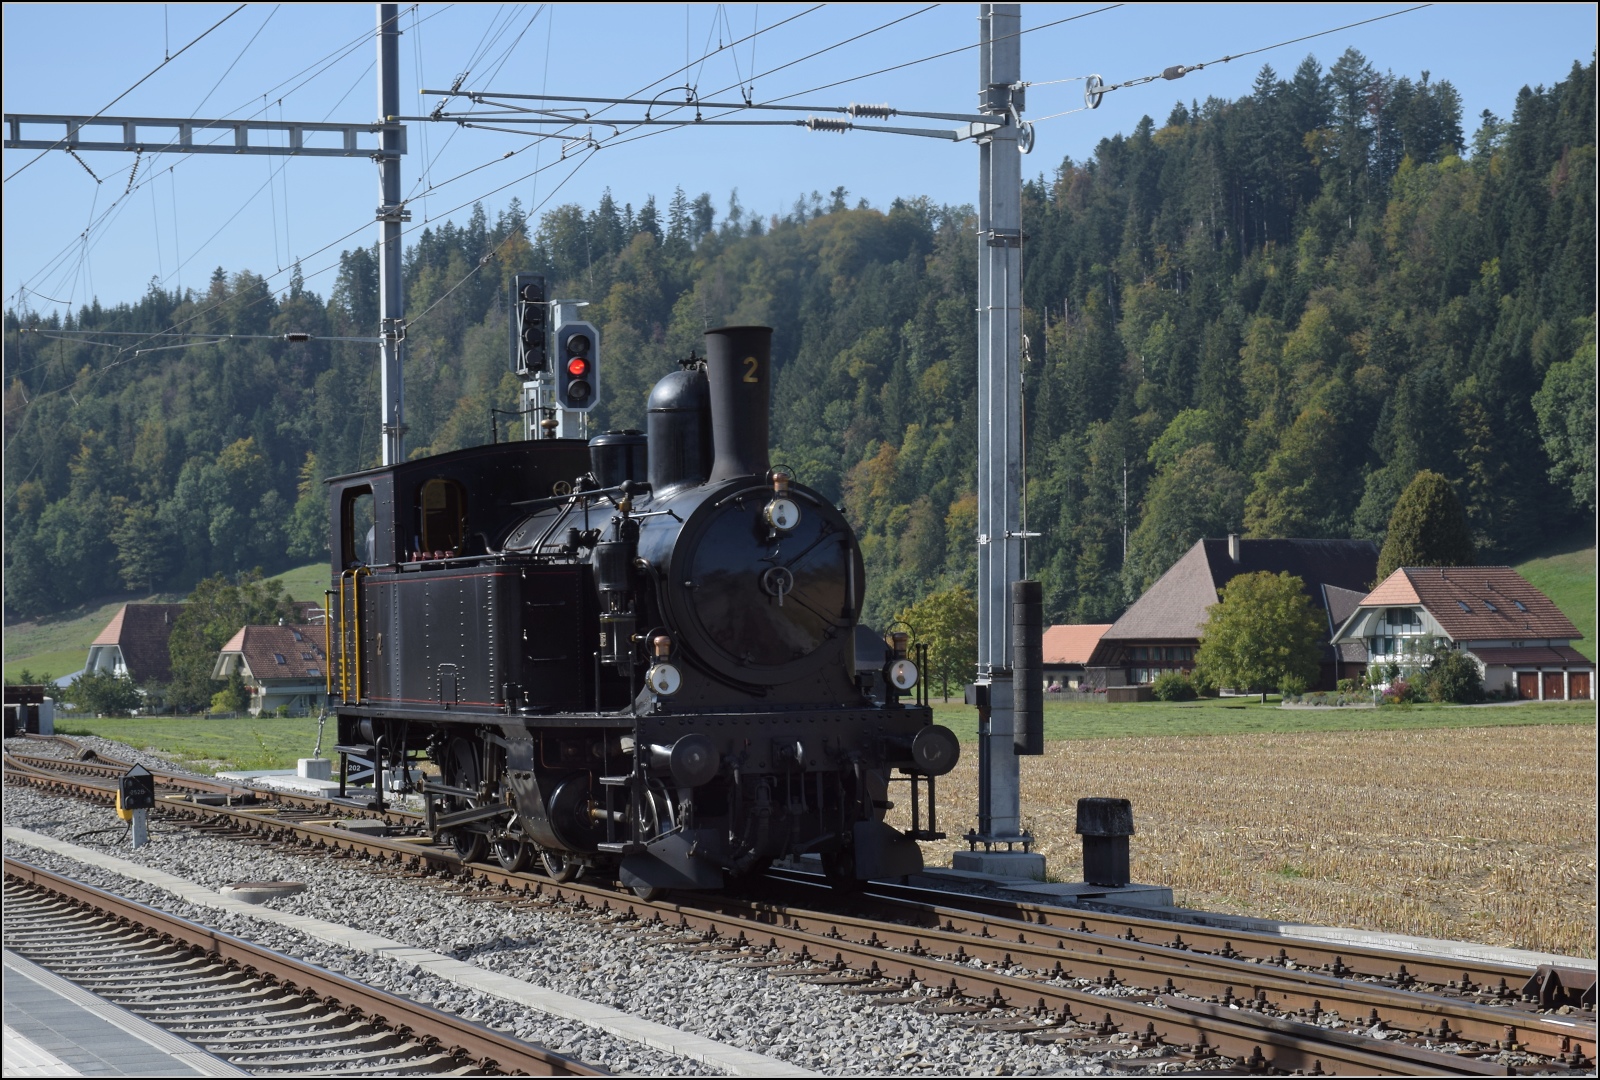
{"points": [[1477, 834]]}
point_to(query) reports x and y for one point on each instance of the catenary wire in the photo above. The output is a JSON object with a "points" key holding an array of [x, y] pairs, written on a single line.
{"points": [[1177, 71], [136, 85]]}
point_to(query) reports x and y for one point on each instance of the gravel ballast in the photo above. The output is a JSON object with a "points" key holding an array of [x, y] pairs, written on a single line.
{"points": [[811, 1026]]}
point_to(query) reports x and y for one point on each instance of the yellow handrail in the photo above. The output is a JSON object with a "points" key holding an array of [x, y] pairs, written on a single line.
{"points": [[327, 640], [355, 607], [344, 645]]}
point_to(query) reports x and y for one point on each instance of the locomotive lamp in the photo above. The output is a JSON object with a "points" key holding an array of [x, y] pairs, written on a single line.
{"points": [[781, 513], [662, 678], [903, 674]]}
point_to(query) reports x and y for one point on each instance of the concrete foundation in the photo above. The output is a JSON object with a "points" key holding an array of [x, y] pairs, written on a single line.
{"points": [[315, 768], [1074, 892], [1027, 865]]}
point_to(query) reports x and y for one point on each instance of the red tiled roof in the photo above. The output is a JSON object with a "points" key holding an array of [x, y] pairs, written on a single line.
{"points": [[1393, 591], [1072, 644], [1478, 602], [141, 631], [1547, 656], [260, 646]]}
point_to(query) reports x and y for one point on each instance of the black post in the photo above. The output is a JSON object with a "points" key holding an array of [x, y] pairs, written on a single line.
{"points": [[1027, 667], [1105, 825]]}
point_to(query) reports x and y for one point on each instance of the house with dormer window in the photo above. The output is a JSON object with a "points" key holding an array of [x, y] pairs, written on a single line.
{"points": [[283, 665], [1161, 631], [1520, 639]]}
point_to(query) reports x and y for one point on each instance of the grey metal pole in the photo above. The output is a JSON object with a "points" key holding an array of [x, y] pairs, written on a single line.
{"points": [[391, 291], [999, 411]]}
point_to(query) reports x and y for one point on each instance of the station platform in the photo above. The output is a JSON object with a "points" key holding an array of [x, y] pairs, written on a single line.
{"points": [[53, 1028]]}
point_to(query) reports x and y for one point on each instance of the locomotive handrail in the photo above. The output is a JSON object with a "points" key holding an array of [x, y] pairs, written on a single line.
{"points": [[327, 638], [631, 487], [347, 628]]}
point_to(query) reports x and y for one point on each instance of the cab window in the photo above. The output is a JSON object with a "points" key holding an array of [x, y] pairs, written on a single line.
{"points": [[442, 515]]}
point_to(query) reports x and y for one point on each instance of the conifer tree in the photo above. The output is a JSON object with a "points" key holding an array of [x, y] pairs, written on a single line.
{"points": [[1428, 528]]}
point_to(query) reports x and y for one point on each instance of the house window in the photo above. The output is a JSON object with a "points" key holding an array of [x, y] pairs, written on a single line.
{"points": [[278, 656], [1404, 621], [308, 656], [314, 671]]}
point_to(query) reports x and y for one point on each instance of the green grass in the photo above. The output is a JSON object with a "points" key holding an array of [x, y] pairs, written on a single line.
{"points": [[273, 743], [1566, 574], [213, 744], [59, 644], [1242, 716], [51, 665], [58, 633], [305, 582]]}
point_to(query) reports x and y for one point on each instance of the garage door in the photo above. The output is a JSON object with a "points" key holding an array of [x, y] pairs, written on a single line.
{"points": [[1528, 685], [1579, 682], [1552, 686]]}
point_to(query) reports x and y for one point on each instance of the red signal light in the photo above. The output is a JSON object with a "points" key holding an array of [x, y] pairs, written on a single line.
{"points": [[577, 366]]}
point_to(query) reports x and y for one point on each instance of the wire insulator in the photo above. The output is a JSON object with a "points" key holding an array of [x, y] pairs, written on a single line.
{"points": [[82, 162], [138, 154], [871, 112], [824, 123]]}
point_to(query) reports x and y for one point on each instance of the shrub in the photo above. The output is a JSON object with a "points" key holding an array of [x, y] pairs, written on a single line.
{"points": [[1400, 692], [1346, 685], [1173, 686], [1453, 677]]}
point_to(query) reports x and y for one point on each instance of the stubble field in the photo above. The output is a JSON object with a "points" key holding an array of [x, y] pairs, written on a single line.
{"points": [[1482, 834]]}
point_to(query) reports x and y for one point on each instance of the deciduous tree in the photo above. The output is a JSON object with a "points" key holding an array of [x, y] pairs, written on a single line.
{"points": [[213, 613], [947, 622], [1262, 635]]}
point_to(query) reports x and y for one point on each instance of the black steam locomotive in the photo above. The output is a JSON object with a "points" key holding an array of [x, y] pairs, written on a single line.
{"points": [[641, 655]]}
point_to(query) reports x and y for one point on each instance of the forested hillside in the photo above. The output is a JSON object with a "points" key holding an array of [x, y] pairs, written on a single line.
{"points": [[1262, 315]]}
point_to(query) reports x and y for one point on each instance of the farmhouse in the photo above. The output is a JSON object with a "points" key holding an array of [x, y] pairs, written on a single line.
{"points": [[134, 643], [281, 666], [1161, 630], [1520, 639], [1067, 649]]}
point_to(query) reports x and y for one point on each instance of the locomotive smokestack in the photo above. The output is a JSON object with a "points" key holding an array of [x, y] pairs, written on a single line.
{"points": [[739, 364]]}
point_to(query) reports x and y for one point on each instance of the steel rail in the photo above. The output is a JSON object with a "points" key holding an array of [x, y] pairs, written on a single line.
{"points": [[1114, 961], [474, 1041], [982, 913], [1535, 1034]]}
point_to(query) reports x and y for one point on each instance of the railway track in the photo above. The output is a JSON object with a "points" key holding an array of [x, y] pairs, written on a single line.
{"points": [[260, 1010], [1152, 989]]}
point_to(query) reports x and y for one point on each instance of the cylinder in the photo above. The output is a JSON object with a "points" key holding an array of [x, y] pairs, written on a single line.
{"points": [[679, 430], [617, 456], [739, 367], [1027, 666]]}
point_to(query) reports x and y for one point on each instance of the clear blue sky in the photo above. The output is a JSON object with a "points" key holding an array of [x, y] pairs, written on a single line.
{"points": [[68, 238]]}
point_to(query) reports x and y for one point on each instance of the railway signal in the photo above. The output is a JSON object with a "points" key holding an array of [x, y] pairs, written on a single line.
{"points": [[136, 794], [529, 318], [577, 366]]}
